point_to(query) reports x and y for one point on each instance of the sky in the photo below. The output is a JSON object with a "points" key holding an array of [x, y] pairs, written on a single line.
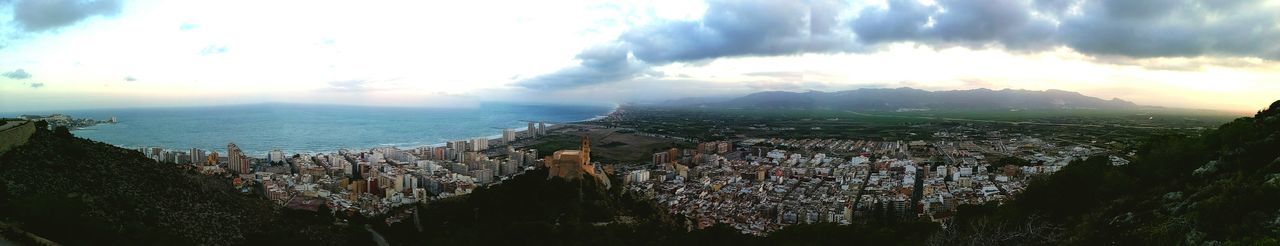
{"points": [[69, 54]]}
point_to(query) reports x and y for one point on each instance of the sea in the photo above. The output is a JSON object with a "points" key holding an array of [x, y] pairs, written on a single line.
{"points": [[304, 128]]}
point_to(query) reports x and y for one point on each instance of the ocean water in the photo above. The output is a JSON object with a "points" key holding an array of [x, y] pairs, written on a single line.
{"points": [[298, 128]]}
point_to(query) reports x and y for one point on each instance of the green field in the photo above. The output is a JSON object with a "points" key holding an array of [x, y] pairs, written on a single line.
{"points": [[608, 146], [1115, 129]]}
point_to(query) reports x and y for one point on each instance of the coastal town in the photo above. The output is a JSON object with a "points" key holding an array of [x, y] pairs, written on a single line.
{"points": [[369, 182], [756, 185]]}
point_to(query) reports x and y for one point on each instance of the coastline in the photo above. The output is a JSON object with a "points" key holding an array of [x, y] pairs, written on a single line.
{"points": [[520, 129]]}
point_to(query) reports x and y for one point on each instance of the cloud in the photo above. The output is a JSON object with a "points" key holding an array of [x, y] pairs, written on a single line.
{"points": [[728, 29], [601, 64], [900, 20], [349, 85], [213, 50], [1175, 28], [742, 28], [36, 85], [130, 78], [43, 15], [1139, 29], [17, 74], [1133, 28], [956, 22], [363, 85]]}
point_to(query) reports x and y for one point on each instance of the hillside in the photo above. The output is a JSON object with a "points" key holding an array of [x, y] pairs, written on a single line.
{"points": [[79, 192], [908, 98], [1219, 187]]}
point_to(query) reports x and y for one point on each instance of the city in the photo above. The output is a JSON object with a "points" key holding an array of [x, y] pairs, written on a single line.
{"points": [[756, 185], [686, 122]]}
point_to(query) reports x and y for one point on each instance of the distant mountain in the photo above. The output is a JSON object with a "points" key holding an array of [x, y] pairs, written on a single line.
{"points": [[909, 98], [694, 101]]}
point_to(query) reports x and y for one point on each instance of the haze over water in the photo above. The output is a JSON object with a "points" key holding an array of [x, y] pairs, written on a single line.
{"points": [[301, 128]]}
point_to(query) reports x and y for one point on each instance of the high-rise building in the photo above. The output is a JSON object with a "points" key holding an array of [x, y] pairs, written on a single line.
{"points": [[236, 160], [478, 144], [157, 154], [508, 136], [197, 156], [457, 145], [532, 132], [542, 128]]}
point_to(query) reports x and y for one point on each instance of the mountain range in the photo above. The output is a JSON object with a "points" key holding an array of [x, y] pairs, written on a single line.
{"points": [[877, 99]]}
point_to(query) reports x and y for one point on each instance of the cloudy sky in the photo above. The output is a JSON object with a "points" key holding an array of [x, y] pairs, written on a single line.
{"points": [[68, 54]]}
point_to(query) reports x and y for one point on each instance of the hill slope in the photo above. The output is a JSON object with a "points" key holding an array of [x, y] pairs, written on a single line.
{"points": [[1221, 186], [80, 192]]}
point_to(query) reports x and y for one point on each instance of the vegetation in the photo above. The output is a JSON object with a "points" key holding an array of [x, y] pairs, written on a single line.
{"points": [[1221, 186], [79, 192]]}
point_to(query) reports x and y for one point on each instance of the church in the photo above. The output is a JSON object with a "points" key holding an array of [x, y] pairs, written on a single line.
{"points": [[572, 164]]}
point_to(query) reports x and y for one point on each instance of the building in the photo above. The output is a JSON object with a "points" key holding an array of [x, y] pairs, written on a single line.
{"points": [[198, 156], [659, 158], [533, 132], [275, 156], [236, 160], [213, 159], [478, 144], [508, 136], [571, 164]]}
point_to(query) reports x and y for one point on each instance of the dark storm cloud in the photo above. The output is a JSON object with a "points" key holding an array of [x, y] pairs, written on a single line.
{"points": [[742, 28], [17, 74], [596, 65], [42, 15]]}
